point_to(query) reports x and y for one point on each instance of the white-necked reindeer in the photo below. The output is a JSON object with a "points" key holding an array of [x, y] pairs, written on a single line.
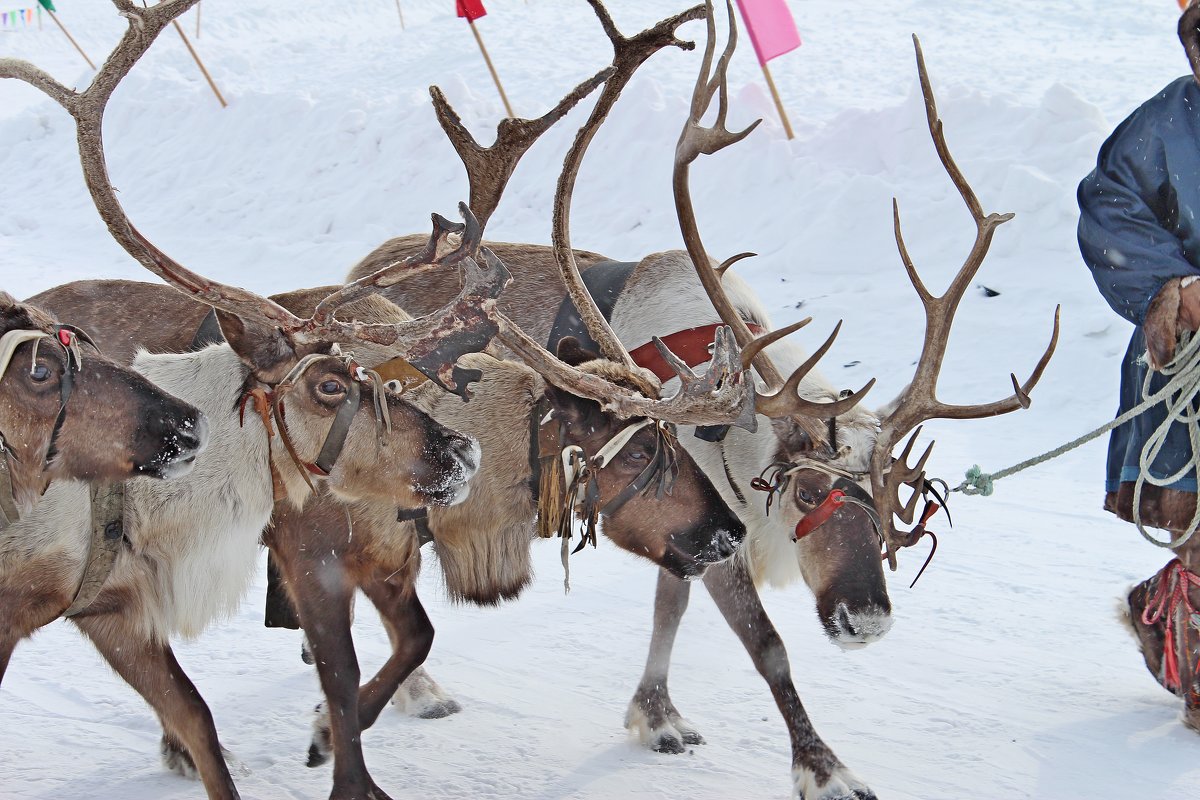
{"points": [[834, 486]]}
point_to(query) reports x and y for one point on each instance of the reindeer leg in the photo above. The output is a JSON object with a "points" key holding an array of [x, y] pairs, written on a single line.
{"points": [[151, 669], [651, 713], [817, 774], [419, 694], [411, 633], [321, 593]]}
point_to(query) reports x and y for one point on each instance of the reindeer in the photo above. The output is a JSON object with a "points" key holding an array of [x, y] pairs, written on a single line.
{"points": [[289, 415], [831, 484], [66, 419], [654, 500]]}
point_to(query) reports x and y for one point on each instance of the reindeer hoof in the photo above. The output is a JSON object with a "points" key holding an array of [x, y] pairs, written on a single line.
{"points": [[658, 725], [841, 785], [668, 743], [373, 793], [420, 696], [176, 758], [321, 748], [440, 710], [306, 654]]}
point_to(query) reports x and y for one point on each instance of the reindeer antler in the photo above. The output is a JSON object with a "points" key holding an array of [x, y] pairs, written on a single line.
{"points": [[438, 333], [919, 402], [720, 396], [694, 140]]}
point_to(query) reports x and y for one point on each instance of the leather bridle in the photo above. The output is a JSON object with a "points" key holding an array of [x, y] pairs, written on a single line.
{"points": [[70, 339]]}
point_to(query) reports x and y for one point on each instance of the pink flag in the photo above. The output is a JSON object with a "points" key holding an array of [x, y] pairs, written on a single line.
{"points": [[771, 27]]}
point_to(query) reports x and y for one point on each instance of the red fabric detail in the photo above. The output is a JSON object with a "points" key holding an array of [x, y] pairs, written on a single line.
{"points": [[819, 515], [471, 9], [691, 345], [66, 337], [1171, 593]]}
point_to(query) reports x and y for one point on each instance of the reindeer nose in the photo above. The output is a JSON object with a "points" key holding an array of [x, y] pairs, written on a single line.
{"points": [[193, 438], [725, 543], [466, 449]]}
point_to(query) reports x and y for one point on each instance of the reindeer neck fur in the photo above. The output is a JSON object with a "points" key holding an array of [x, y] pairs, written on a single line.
{"points": [[193, 541], [664, 295], [199, 535], [483, 544]]}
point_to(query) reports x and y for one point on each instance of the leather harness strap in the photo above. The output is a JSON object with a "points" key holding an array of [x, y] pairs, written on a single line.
{"points": [[419, 517], [604, 281], [107, 539], [9, 514]]}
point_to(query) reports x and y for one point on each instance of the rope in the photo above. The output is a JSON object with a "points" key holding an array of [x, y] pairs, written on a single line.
{"points": [[1178, 394]]}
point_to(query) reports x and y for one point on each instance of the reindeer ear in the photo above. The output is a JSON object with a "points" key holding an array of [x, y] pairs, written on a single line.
{"points": [[571, 352], [263, 348], [792, 438]]}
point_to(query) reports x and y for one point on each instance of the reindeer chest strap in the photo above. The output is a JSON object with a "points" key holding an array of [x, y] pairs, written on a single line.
{"points": [[107, 539], [8, 506]]}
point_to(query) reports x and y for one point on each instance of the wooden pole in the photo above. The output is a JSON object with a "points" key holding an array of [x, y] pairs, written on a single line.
{"points": [[492, 69], [400, 11], [198, 7], [783, 117], [199, 63], [63, 28]]}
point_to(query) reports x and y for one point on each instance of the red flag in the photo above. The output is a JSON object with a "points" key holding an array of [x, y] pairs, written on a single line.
{"points": [[471, 9], [771, 27]]}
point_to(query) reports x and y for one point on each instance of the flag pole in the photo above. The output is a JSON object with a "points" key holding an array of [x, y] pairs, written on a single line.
{"points": [[198, 7], [783, 117], [66, 33], [491, 69], [211, 84], [400, 11]]}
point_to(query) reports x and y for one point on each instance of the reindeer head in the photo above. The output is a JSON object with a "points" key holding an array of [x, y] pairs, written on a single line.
{"points": [[844, 494], [67, 412], [655, 500]]}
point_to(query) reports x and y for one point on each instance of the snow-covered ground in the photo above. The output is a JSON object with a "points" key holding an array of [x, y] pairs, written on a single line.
{"points": [[1005, 676]]}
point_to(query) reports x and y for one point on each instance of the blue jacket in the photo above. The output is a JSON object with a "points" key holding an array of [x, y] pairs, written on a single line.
{"points": [[1139, 227]]}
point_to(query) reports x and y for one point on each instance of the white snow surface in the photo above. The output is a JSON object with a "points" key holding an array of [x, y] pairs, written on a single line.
{"points": [[1006, 674]]}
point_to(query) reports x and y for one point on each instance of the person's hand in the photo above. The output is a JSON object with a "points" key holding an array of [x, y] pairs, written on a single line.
{"points": [[1189, 306]]}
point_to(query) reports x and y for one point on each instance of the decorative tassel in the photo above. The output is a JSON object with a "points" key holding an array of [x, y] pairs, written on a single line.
{"points": [[552, 496]]}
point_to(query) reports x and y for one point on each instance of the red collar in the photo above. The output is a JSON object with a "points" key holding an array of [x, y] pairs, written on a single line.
{"points": [[691, 345]]}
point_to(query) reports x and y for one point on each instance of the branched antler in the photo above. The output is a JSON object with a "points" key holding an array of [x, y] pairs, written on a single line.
{"points": [[431, 335], [696, 139], [919, 402], [629, 53]]}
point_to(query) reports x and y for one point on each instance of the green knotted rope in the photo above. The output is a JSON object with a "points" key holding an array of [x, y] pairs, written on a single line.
{"points": [[1178, 393]]}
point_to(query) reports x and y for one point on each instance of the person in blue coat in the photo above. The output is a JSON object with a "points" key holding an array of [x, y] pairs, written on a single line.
{"points": [[1139, 233]]}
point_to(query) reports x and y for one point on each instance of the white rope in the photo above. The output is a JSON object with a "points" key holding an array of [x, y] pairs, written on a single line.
{"points": [[1178, 394]]}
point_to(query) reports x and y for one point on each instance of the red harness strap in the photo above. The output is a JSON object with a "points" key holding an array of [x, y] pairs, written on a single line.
{"points": [[819, 515], [691, 345]]}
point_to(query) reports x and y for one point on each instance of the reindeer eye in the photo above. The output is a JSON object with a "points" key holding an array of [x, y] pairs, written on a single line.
{"points": [[331, 388], [638, 455], [804, 496], [40, 373]]}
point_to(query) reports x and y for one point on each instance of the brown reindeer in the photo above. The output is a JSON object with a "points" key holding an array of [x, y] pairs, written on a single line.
{"points": [[845, 467], [67, 412]]}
